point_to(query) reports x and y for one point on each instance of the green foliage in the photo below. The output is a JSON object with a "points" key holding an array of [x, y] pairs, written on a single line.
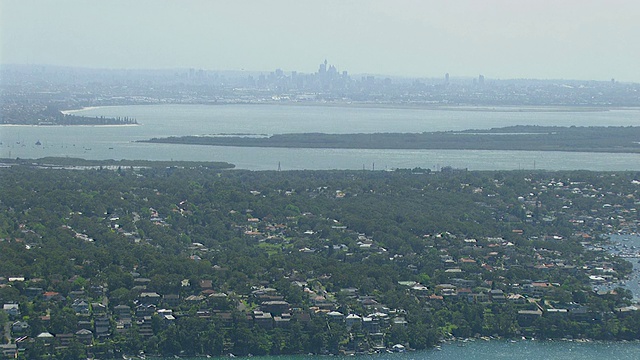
{"points": [[112, 234], [534, 138]]}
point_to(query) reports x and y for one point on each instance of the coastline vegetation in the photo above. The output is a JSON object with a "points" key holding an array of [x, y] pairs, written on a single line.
{"points": [[47, 115], [532, 138], [191, 260], [123, 163]]}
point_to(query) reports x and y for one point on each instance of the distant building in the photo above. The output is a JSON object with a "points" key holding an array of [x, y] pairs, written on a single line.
{"points": [[12, 310]]}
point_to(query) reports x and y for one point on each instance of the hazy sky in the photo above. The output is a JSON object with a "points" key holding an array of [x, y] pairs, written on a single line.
{"points": [[571, 39]]}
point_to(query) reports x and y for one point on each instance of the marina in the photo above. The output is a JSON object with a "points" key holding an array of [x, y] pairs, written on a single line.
{"points": [[626, 246]]}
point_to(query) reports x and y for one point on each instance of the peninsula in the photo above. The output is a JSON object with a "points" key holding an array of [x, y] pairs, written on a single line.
{"points": [[531, 138], [194, 261]]}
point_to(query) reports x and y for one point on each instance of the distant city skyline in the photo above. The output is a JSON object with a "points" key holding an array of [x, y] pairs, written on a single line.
{"points": [[499, 39]]}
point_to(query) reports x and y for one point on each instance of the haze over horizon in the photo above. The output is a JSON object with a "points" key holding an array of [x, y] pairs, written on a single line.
{"points": [[581, 40]]}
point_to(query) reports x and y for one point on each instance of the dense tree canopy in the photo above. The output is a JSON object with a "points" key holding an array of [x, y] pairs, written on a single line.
{"points": [[354, 242]]}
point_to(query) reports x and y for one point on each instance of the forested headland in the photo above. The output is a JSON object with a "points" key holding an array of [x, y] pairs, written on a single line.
{"points": [[36, 113], [193, 260], [68, 162], [532, 138]]}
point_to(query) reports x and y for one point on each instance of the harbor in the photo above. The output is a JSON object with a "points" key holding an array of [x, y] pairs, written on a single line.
{"points": [[626, 246]]}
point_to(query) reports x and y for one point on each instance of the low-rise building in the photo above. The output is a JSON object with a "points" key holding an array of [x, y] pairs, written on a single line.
{"points": [[13, 310]]}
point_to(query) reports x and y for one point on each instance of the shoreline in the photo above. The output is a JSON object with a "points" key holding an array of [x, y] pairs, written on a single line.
{"points": [[450, 345], [425, 107], [57, 125], [73, 111]]}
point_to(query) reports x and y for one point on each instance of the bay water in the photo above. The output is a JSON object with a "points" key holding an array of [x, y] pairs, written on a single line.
{"points": [[627, 246], [119, 142], [500, 349]]}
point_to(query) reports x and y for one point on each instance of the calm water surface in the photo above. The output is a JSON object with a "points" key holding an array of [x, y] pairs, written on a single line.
{"points": [[627, 245], [491, 350], [118, 142]]}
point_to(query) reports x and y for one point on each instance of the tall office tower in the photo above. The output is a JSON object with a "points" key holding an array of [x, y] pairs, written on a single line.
{"points": [[323, 67]]}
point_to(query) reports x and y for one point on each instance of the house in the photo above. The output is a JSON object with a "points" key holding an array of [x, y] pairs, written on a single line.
{"points": [[149, 298], [9, 351], [141, 282], [265, 294], [497, 296], [225, 317], [352, 319], [122, 325], [61, 339], [77, 294], [399, 321], [52, 295], [45, 337], [101, 326], [80, 307], [537, 288], [349, 292], [84, 336], [98, 308], [144, 327], [627, 309], [282, 321], [556, 312], [165, 313], [263, 320], [122, 311], [84, 324], [195, 298], [218, 298], [371, 325], [478, 298], [302, 317], [517, 299], [32, 292], [171, 300], [335, 316], [97, 290], [420, 290], [527, 317], [13, 310], [19, 327], [275, 307], [580, 313], [368, 302], [143, 310], [203, 314]]}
